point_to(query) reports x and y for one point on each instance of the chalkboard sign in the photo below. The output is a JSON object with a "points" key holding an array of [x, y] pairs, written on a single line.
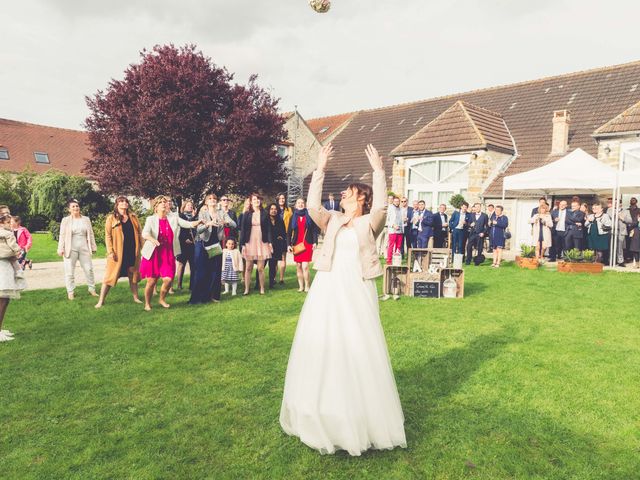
{"points": [[426, 289]]}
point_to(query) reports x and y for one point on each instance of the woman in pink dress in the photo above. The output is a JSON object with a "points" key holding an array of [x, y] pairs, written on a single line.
{"points": [[161, 234], [255, 241], [303, 235]]}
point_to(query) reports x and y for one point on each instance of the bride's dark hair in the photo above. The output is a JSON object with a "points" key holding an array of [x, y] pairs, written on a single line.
{"points": [[364, 189]]}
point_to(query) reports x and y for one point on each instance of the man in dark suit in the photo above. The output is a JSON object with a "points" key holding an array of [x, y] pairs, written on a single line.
{"points": [[575, 227], [477, 231], [440, 226], [541, 201], [332, 204], [459, 224], [425, 227]]}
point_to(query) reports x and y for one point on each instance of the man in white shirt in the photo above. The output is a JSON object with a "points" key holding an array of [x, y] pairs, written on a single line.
{"points": [[559, 218], [395, 228]]}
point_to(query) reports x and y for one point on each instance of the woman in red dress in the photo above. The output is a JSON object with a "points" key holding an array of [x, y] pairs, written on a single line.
{"points": [[303, 235]]}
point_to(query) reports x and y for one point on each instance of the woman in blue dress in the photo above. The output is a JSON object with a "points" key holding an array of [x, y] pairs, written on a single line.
{"points": [[497, 227]]}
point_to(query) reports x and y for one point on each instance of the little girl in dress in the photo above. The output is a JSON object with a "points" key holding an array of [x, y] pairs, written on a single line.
{"points": [[9, 247], [231, 265]]}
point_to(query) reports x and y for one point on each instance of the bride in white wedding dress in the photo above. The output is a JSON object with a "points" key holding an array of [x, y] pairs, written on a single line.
{"points": [[339, 391]]}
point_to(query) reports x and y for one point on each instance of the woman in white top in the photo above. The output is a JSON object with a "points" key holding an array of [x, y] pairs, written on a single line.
{"points": [[77, 243]]}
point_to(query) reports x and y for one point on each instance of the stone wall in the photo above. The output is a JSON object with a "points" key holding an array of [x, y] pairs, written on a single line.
{"points": [[480, 168], [304, 152]]}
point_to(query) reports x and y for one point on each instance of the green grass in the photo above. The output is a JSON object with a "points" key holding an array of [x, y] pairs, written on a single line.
{"points": [[45, 249], [534, 375]]}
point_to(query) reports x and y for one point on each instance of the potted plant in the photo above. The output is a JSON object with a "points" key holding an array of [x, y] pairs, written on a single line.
{"points": [[527, 257], [576, 261]]}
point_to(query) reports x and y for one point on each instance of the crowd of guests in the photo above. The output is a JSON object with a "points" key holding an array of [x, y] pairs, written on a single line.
{"points": [[469, 230], [466, 231], [577, 225], [221, 248]]}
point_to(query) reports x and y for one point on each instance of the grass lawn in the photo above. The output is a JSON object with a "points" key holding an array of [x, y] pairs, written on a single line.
{"points": [[45, 249], [534, 375]]}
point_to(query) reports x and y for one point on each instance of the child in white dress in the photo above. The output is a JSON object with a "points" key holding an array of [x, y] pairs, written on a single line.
{"points": [[231, 266]]}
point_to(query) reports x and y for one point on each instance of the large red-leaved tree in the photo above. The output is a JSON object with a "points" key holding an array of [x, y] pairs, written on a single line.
{"points": [[177, 125]]}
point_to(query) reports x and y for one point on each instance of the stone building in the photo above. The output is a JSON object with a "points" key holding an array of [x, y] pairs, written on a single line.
{"points": [[466, 143]]}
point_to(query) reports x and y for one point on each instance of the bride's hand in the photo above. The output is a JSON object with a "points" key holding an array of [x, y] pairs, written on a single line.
{"points": [[374, 157], [326, 153]]}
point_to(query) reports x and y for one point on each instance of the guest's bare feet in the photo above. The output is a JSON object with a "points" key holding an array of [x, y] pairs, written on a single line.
{"points": [[71, 296], [164, 304], [99, 305], [147, 308], [136, 300], [93, 293]]}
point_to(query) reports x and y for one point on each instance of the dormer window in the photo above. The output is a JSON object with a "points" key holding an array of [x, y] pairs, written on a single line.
{"points": [[323, 129], [4, 153], [41, 157]]}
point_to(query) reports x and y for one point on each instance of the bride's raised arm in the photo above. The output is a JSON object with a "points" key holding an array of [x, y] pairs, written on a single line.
{"points": [[318, 213], [379, 186]]}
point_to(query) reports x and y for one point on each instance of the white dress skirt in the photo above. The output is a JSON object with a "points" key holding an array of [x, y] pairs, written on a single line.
{"points": [[339, 391], [10, 286]]}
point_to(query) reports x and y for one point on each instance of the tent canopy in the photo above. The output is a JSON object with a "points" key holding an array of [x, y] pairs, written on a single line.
{"points": [[576, 172], [630, 181]]}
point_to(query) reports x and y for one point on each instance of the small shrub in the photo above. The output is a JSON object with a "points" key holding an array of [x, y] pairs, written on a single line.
{"points": [[573, 256], [456, 200], [527, 251], [589, 256], [98, 228]]}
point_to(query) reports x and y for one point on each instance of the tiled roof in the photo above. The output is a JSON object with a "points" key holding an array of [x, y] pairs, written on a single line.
{"points": [[324, 127], [628, 121], [593, 96], [462, 127], [67, 149]]}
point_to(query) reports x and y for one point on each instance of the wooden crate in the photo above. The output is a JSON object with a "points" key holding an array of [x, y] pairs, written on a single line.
{"points": [[390, 272], [427, 257], [458, 275]]}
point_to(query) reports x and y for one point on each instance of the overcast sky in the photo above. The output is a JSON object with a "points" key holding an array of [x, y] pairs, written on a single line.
{"points": [[362, 54]]}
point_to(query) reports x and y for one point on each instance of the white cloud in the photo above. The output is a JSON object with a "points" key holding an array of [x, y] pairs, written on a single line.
{"points": [[53, 53]]}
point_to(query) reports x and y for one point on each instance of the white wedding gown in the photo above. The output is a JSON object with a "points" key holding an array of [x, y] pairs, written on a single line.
{"points": [[339, 391]]}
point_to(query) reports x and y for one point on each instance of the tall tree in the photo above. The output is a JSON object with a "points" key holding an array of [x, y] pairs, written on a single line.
{"points": [[176, 124]]}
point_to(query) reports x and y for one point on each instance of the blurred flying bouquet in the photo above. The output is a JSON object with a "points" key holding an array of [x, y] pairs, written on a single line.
{"points": [[320, 6]]}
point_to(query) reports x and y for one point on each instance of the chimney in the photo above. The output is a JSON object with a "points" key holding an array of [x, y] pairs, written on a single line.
{"points": [[560, 135]]}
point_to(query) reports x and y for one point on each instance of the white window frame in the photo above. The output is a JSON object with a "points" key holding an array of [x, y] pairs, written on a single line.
{"points": [[414, 189]]}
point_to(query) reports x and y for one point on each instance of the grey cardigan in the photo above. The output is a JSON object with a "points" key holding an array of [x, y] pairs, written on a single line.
{"points": [[223, 218]]}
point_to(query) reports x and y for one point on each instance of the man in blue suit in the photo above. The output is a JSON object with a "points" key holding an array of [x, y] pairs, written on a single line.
{"points": [[332, 204], [425, 227], [478, 229], [458, 225]]}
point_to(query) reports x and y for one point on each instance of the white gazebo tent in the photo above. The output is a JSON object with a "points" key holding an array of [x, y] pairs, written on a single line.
{"points": [[575, 173], [626, 182]]}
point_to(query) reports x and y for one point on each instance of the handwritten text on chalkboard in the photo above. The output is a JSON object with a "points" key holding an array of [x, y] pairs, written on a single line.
{"points": [[425, 289]]}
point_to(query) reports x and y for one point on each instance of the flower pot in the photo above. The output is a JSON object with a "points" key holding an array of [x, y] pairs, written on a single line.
{"points": [[570, 267], [529, 263]]}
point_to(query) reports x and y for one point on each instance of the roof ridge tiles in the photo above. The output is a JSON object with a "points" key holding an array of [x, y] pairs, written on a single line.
{"points": [[39, 125], [505, 85]]}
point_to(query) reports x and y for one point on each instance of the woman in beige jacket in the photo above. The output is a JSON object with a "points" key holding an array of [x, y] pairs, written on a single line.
{"points": [[77, 243], [542, 224], [339, 392]]}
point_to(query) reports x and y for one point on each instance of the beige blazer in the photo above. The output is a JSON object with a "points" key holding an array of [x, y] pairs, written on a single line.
{"points": [[547, 223], [368, 227], [152, 229], [64, 240]]}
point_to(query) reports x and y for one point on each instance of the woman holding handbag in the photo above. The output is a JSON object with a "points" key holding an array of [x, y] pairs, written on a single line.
{"points": [[542, 224], [303, 235], [207, 279], [599, 232], [162, 243], [187, 243]]}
